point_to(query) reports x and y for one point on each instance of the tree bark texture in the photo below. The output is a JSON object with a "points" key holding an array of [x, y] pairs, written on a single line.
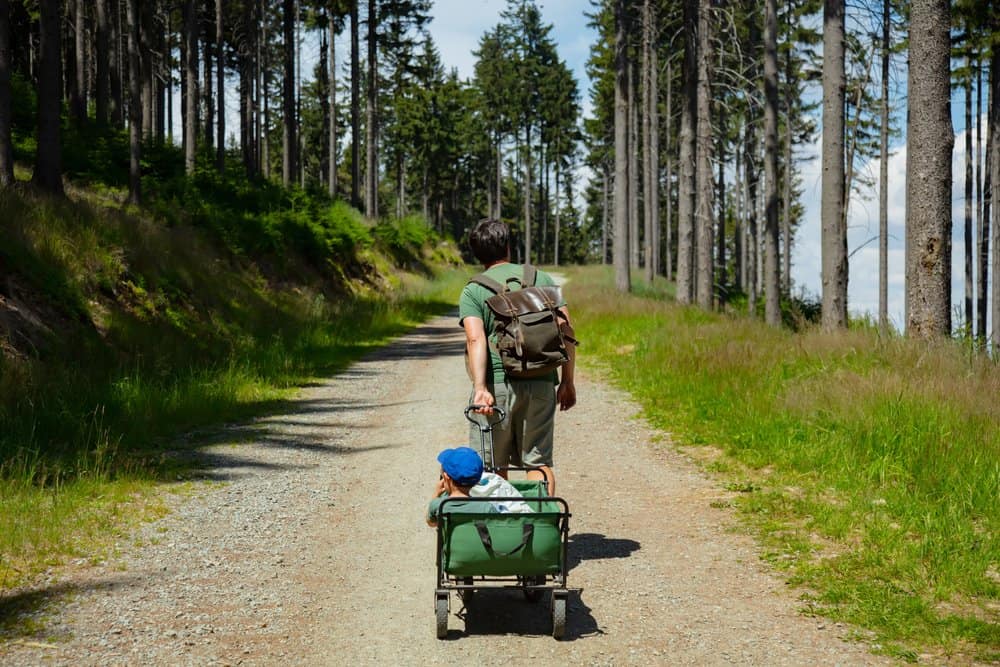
{"points": [[48, 155], [834, 234], [668, 263], [355, 109], [115, 106], [6, 145], [633, 166], [984, 227], [102, 61], [703, 205], [331, 184], [650, 146], [220, 93], [772, 278], [134, 112], [969, 190], [620, 248], [993, 171], [289, 140], [686, 158], [883, 191], [982, 233], [79, 102], [191, 79], [930, 140], [371, 115]]}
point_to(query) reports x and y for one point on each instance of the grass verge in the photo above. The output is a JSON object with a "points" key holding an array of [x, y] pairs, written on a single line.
{"points": [[868, 466], [119, 331]]}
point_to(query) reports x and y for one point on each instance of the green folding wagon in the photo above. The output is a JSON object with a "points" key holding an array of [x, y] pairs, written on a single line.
{"points": [[488, 550]]}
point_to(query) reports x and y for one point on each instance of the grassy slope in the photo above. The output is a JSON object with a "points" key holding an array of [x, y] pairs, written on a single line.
{"points": [[120, 329], [869, 467]]}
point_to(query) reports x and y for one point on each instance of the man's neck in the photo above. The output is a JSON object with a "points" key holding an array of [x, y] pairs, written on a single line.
{"points": [[487, 267]]}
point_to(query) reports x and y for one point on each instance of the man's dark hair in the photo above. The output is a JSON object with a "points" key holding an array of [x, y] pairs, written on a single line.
{"points": [[490, 240]]}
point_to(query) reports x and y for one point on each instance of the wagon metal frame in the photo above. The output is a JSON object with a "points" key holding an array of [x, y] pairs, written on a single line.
{"points": [[532, 584]]}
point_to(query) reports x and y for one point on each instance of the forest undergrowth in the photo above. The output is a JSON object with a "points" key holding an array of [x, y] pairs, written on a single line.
{"points": [[122, 328], [868, 465]]}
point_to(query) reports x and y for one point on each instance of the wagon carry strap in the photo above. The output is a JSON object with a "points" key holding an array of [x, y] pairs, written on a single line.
{"points": [[528, 529]]}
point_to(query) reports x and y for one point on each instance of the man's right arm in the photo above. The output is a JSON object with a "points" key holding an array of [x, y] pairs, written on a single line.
{"points": [[477, 353]]}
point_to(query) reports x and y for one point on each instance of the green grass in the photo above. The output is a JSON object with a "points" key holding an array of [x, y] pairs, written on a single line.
{"points": [[146, 327], [869, 466]]}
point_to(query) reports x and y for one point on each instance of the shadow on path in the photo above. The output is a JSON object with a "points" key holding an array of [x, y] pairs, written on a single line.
{"points": [[503, 612], [593, 546], [23, 613]]}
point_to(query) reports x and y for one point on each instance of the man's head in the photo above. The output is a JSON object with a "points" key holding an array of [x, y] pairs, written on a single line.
{"points": [[490, 241], [462, 465]]}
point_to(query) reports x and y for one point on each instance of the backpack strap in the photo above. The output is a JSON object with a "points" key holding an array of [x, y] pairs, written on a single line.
{"points": [[530, 276], [487, 282]]}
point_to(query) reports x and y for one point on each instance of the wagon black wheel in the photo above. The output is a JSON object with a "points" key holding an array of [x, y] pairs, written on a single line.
{"points": [[558, 615], [534, 594], [441, 614]]}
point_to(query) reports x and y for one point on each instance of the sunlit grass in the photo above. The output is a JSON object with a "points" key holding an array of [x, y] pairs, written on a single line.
{"points": [[874, 461], [145, 331]]}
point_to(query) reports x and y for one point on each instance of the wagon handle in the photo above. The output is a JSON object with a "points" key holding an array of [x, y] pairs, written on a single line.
{"points": [[489, 424]]}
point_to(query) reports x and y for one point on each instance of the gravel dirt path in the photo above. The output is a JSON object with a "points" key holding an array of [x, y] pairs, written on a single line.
{"points": [[305, 544]]}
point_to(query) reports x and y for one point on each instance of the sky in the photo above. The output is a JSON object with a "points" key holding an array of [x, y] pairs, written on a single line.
{"points": [[458, 24]]}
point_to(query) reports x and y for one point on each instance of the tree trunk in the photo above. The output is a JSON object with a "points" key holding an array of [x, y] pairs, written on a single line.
{"points": [[265, 157], [78, 103], [208, 134], [102, 46], [930, 141], [6, 145], [620, 241], [371, 116], [527, 193], [834, 235], [993, 196], [752, 240], [191, 82], [984, 227], [633, 167], [969, 190], [220, 93], [134, 112], [48, 155], [289, 166], [686, 159], [883, 192], [604, 215], [555, 253], [786, 218], [772, 279], [331, 183], [115, 107], [703, 204], [739, 228], [650, 143], [721, 277], [355, 109], [499, 180], [146, 67], [668, 264]]}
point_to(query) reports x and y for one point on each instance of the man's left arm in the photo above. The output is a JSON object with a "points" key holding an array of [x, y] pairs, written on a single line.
{"points": [[566, 393]]}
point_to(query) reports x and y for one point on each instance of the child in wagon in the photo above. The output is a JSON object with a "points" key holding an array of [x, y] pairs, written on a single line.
{"points": [[462, 476]]}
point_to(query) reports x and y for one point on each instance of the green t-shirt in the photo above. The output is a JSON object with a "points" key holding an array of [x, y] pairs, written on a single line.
{"points": [[473, 303], [458, 506]]}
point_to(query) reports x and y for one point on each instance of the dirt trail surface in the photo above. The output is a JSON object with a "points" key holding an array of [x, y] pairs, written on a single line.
{"points": [[306, 544]]}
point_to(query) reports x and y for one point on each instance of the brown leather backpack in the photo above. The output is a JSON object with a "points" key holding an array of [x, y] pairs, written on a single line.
{"points": [[530, 333]]}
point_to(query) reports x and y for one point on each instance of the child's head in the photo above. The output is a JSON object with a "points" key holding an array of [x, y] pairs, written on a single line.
{"points": [[462, 465]]}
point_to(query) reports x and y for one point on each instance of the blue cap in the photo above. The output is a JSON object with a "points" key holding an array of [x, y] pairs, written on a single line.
{"points": [[462, 464]]}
